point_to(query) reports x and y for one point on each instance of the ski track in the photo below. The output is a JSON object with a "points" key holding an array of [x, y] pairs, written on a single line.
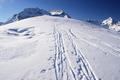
{"points": [[65, 67], [54, 54], [97, 43]]}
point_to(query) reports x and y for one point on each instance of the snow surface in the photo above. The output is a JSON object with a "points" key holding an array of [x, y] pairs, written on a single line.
{"points": [[54, 48]]}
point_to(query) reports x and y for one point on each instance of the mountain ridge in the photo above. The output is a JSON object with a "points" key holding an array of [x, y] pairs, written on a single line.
{"points": [[108, 23], [32, 12]]}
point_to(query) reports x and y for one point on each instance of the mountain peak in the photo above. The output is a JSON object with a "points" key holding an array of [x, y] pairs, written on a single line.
{"points": [[32, 12], [27, 13], [107, 21], [60, 13]]}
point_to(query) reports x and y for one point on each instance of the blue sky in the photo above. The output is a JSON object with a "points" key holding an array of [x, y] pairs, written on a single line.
{"points": [[79, 9]]}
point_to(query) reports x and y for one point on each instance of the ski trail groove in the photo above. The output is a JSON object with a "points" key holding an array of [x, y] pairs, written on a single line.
{"points": [[89, 73], [69, 62], [60, 63]]}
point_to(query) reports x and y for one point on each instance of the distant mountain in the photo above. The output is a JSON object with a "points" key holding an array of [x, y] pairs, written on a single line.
{"points": [[32, 12], [1, 23], [96, 22], [27, 13], [108, 23], [111, 24], [59, 13]]}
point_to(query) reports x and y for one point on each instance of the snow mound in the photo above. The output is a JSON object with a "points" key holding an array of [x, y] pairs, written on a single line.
{"points": [[21, 31], [55, 48]]}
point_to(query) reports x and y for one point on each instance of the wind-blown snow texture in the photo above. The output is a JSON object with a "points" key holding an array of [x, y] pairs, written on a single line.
{"points": [[52, 48]]}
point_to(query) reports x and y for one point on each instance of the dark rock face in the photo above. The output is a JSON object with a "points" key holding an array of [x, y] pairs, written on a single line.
{"points": [[27, 13], [1, 23]]}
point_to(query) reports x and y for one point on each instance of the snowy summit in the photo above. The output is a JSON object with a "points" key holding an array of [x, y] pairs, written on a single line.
{"points": [[111, 24], [60, 13], [32, 12], [107, 22]]}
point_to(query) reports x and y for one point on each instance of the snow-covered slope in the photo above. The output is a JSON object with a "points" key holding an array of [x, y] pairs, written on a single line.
{"points": [[52, 48]]}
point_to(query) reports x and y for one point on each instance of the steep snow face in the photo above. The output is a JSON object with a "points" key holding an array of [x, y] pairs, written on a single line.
{"points": [[60, 13], [54, 48]]}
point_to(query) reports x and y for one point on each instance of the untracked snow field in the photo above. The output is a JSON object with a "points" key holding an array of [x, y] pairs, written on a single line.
{"points": [[53, 48]]}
